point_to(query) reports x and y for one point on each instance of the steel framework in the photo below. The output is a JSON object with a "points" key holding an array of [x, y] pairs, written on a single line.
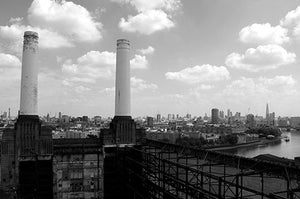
{"points": [[161, 170]]}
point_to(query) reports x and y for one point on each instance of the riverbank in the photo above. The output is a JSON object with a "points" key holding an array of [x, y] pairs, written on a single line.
{"points": [[252, 143]]}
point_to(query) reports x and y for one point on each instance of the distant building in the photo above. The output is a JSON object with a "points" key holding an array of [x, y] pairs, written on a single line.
{"points": [[169, 116], [150, 121], [282, 122], [272, 119], [250, 121], [215, 116], [295, 122], [222, 114], [188, 116], [158, 117], [229, 113], [65, 119], [97, 119], [85, 119]]}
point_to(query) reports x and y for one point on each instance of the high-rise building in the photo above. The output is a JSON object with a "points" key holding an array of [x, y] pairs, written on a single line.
{"points": [[215, 116], [229, 113], [267, 112], [158, 117], [150, 121], [222, 114]]}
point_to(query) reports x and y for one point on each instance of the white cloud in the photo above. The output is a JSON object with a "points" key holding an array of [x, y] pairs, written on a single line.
{"points": [[110, 90], [261, 88], [153, 16], [147, 22], [200, 74], [58, 23], [262, 58], [292, 18], [47, 39], [65, 17], [144, 5], [146, 51], [263, 34], [292, 21], [278, 81], [139, 62], [138, 84], [205, 87], [81, 89], [7, 60], [90, 67], [10, 76]]}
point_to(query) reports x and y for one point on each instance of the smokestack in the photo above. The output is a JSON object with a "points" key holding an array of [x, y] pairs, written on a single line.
{"points": [[29, 80], [122, 95]]}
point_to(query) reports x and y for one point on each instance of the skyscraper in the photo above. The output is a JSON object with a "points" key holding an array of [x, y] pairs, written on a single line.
{"points": [[158, 117], [214, 116], [267, 112]]}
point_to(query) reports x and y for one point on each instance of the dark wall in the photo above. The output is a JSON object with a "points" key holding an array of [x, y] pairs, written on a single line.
{"points": [[36, 179]]}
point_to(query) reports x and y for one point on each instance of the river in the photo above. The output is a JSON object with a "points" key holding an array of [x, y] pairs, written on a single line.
{"points": [[285, 149]]}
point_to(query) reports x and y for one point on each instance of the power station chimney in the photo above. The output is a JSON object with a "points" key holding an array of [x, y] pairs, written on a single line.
{"points": [[29, 79], [122, 94], [122, 127], [33, 141]]}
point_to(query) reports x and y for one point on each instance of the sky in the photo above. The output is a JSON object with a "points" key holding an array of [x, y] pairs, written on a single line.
{"points": [[186, 56]]}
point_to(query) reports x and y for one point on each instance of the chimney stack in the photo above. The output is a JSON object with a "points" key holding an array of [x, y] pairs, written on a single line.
{"points": [[122, 95], [29, 79]]}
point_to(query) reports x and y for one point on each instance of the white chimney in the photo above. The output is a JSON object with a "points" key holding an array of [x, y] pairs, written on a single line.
{"points": [[29, 80], [122, 95]]}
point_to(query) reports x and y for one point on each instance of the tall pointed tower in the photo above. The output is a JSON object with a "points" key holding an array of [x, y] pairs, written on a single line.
{"points": [[267, 114]]}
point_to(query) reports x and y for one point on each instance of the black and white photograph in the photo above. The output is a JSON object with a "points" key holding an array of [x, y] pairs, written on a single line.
{"points": [[149, 99]]}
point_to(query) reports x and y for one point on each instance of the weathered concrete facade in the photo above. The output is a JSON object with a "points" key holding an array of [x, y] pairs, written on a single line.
{"points": [[78, 169]]}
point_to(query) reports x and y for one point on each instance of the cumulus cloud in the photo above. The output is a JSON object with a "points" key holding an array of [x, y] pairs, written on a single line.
{"points": [[260, 88], [89, 67], [262, 58], [146, 51], [143, 5], [205, 87], [58, 23], [10, 75], [200, 74], [292, 18], [47, 39], [138, 84], [278, 81], [139, 62], [65, 17], [263, 34], [153, 16], [147, 22], [292, 21], [81, 89], [7, 60]]}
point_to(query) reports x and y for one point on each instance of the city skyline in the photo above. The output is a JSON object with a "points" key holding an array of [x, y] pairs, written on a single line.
{"points": [[184, 58]]}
